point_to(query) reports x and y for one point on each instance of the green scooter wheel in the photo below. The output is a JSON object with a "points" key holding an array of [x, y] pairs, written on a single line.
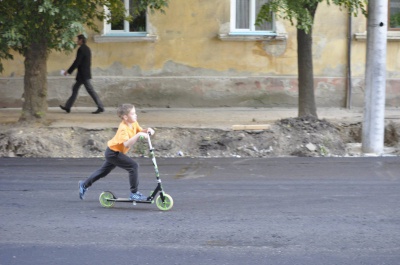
{"points": [[167, 204], [104, 196]]}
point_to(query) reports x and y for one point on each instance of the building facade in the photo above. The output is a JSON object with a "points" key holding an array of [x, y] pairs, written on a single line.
{"points": [[208, 53]]}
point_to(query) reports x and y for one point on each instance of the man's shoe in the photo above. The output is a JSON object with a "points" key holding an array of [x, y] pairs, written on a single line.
{"points": [[138, 197], [82, 190], [64, 108], [99, 110]]}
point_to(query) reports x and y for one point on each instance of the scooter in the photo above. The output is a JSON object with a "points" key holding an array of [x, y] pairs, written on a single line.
{"points": [[164, 201]]}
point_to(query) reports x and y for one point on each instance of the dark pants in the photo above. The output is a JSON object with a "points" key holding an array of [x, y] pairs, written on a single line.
{"points": [[89, 89], [116, 159]]}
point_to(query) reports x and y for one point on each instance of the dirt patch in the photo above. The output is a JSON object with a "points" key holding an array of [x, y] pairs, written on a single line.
{"points": [[308, 137]]}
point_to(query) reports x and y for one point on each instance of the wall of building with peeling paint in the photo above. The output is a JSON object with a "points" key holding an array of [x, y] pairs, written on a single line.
{"points": [[192, 63]]}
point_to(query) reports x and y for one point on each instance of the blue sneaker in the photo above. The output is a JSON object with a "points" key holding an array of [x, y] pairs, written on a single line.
{"points": [[82, 190], [138, 197]]}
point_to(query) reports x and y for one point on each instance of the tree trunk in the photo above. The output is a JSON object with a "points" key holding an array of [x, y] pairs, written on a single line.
{"points": [[305, 67], [35, 83], [305, 74]]}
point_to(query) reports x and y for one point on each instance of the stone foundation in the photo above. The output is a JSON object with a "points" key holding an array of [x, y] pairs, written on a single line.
{"points": [[199, 91]]}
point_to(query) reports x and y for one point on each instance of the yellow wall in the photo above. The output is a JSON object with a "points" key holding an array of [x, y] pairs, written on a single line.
{"points": [[188, 45], [187, 35]]}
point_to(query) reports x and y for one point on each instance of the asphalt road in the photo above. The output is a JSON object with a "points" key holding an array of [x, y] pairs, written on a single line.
{"points": [[226, 211]]}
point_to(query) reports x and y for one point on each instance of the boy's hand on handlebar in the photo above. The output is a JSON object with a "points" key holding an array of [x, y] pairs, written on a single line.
{"points": [[142, 135], [150, 131]]}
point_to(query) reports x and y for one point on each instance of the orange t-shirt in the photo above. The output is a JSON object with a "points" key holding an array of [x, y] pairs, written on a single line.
{"points": [[123, 134]]}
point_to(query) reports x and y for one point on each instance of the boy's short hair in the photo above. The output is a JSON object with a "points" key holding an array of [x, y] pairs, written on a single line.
{"points": [[124, 109]]}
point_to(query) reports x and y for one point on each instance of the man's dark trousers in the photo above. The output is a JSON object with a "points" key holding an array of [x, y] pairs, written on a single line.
{"points": [[89, 89]]}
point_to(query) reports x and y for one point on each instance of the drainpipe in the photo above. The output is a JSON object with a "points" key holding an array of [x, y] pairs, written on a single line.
{"points": [[348, 77]]}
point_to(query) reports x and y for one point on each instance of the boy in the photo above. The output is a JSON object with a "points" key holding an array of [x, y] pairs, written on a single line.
{"points": [[129, 131]]}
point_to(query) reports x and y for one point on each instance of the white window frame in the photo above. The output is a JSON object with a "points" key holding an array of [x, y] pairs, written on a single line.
{"points": [[252, 30], [389, 9], [393, 34], [107, 31]]}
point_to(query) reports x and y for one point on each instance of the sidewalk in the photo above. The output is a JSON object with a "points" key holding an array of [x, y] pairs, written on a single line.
{"points": [[213, 118]]}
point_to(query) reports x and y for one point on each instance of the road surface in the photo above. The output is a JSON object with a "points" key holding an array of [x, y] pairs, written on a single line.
{"points": [[226, 211]]}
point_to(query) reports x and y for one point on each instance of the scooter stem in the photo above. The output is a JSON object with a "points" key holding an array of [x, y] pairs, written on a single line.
{"points": [[149, 141]]}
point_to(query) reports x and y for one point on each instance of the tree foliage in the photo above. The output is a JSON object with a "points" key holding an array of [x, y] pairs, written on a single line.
{"points": [[56, 23]]}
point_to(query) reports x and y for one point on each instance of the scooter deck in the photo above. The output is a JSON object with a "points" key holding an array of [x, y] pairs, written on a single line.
{"points": [[164, 201], [127, 200]]}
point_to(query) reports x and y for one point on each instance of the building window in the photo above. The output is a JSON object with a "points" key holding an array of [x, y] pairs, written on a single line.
{"points": [[243, 17], [123, 27], [394, 14]]}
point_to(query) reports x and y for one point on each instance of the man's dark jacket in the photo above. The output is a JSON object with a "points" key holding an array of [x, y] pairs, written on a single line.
{"points": [[83, 62]]}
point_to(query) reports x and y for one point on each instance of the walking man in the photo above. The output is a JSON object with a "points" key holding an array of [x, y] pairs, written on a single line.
{"points": [[83, 62]]}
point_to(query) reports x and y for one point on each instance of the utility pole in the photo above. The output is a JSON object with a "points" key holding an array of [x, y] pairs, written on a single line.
{"points": [[373, 128]]}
